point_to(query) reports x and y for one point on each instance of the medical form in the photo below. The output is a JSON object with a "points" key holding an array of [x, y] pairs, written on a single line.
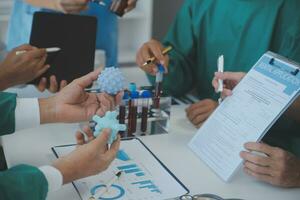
{"points": [[257, 102]]}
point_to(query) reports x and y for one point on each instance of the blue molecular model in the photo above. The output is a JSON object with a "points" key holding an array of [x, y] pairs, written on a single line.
{"points": [[111, 81], [108, 121]]}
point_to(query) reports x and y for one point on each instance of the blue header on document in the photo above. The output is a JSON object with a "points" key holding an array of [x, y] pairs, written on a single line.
{"points": [[281, 71]]}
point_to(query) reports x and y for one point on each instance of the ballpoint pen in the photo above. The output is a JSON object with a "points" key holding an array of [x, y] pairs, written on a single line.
{"points": [[152, 59], [48, 50], [220, 69]]}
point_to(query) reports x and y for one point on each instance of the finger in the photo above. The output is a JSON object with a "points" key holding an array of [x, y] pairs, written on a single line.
{"points": [[42, 84], [25, 47], [53, 84], [232, 76], [200, 119], [63, 84], [100, 142], [42, 71], [119, 97], [79, 138], [258, 169], [193, 113], [156, 49], [36, 53], [114, 148], [215, 84], [88, 79], [256, 159], [41, 62], [260, 177], [259, 147], [89, 133], [226, 93], [106, 101]]}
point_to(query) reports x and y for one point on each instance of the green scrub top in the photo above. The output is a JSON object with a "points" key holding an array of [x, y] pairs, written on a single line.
{"points": [[22, 182], [241, 30]]}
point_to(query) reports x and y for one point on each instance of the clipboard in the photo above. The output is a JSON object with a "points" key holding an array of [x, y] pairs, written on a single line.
{"points": [[136, 175], [258, 101]]}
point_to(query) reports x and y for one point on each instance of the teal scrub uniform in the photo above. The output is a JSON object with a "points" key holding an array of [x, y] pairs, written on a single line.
{"points": [[241, 30]]}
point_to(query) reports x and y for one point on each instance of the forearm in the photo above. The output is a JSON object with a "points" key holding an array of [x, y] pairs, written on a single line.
{"points": [[50, 4]]}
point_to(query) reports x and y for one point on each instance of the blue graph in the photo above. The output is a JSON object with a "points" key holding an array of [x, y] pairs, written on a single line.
{"points": [[147, 185], [120, 192], [132, 169], [122, 155]]}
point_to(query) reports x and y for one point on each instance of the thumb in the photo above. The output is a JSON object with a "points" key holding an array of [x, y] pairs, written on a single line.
{"points": [[88, 79], [230, 76], [100, 143]]}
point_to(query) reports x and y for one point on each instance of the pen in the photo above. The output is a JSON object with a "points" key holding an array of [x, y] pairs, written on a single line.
{"points": [[220, 69], [108, 185], [48, 50], [164, 52]]}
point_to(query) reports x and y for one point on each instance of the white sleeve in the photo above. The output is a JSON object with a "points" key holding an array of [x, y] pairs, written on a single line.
{"points": [[53, 177], [27, 114]]}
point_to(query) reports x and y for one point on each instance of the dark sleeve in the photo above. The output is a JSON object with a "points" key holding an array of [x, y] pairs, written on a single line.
{"points": [[7, 110], [180, 36], [23, 182]]}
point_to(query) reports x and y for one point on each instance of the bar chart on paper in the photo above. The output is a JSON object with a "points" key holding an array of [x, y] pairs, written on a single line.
{"points": [[143, 178]]}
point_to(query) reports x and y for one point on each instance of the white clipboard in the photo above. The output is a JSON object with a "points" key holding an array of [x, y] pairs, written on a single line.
{"points": [[263, 95]]}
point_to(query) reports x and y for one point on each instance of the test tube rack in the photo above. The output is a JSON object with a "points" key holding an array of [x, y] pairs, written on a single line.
{"points": [[157, 118]]}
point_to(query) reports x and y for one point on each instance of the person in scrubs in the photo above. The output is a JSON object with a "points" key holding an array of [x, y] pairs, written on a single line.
{"points": [[107, 34], [279, 167]]}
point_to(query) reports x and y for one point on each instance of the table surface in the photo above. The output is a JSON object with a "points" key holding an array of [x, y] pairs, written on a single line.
{"points": [[33, 146]]}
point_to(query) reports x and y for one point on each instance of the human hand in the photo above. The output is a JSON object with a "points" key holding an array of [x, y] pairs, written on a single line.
{"points": [[71, 6], [74, 104], [88, 159], [231, 79], [54, 87], [22, 68], [279, 167], [131, 5], [148, 50], [197, 113]]}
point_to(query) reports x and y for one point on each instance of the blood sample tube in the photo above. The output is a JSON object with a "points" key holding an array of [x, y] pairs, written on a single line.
{"points": [[122, 111], [132, 89], [158, 86], [133, 112], [146, 95]]}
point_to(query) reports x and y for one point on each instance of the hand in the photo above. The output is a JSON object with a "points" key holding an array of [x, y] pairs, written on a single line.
{"points": [[131, 5], [88, 159], [197, 113], [71, 6], [279, 167], [22, 68], [148, 50], [231, 79], [54, 87], [73, 104]]}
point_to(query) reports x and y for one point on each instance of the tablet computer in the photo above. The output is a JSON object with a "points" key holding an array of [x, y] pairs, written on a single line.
{"points": [[75, 35]]}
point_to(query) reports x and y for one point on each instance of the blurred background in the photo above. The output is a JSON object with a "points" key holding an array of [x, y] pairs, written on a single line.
{"points": [[150, 19]]}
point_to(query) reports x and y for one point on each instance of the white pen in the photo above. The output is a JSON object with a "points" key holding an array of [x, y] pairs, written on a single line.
{"points": [[108, 185], [48, 50], [220, 69]]}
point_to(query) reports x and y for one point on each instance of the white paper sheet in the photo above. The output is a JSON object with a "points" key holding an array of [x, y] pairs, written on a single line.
{"points": [[143, 178], [256, 103]]}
